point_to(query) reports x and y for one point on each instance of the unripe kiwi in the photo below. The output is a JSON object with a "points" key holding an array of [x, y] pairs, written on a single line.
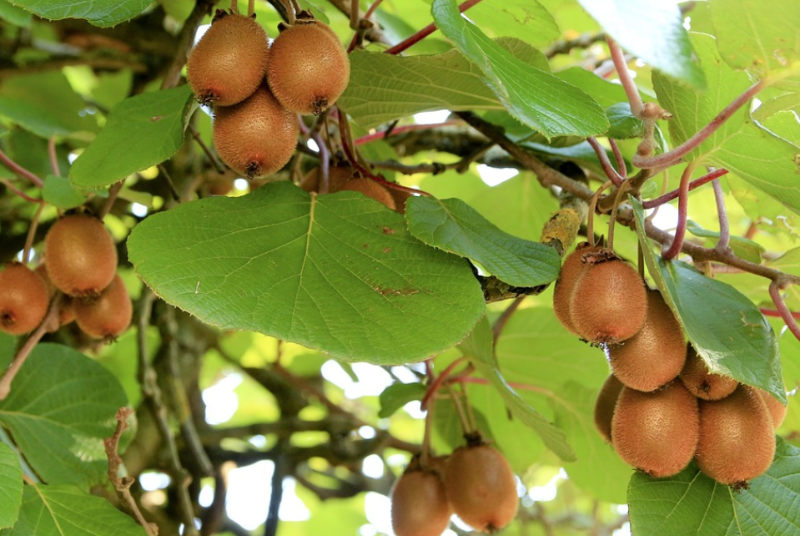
{"points": [[609, 301], [737, 437], [257, 136], [23, 299], [371, 189], [81, 256], [605, 404], [66, 312], [481, 487], [337, 178], [776, 410], [108, 315], [419, 504], [229, 62], [308, 68], [702, 383], [565, 284], [656, 432], [654, 356]]}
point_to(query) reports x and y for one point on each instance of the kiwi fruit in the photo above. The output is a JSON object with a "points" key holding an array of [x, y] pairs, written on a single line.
{"points": [[654, 356], [565, 284], [230, 60], [656, 432], [419, 503], [256, 137], [776, 409], [400, 197], [66, 313], [23, 299], [605, 404], [337, 178], [108, 315], [701, 382], [737, 437], [481, 487], [81, 258], [371, 189], [308, 69], [609, 301]]}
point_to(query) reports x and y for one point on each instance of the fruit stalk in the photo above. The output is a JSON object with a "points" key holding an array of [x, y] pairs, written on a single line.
{"points": [[683, 214], [609, 170], [625, 78]]}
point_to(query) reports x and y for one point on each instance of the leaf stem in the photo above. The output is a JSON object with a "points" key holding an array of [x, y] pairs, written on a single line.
{"points": [[21, 171], [623, 169], [724, 228], [51, 151], [19, 192], [666, 198], [621, 191], [433, 387], [625, 79], [113, 192], [608, 169], [683, 214], [592, 210], [426, 31], [26, 253], [503, 319], [775, 313], [775, 293]]}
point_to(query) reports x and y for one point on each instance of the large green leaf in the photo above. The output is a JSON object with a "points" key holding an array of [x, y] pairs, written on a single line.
{"points": [[651, 30], [67, 511], [10, 486], [142, 131], [103, 13], [524, 19], [60, 407], [727, 329], [14, 15], [339, 273], [478, 347], [535, 97], [454, 226], [751, 37], [692, 503], [739, 145]]}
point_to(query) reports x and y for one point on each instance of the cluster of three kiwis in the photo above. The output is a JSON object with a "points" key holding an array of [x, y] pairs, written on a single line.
{"points": [[256, 89], [475, 482], [80, 262]]}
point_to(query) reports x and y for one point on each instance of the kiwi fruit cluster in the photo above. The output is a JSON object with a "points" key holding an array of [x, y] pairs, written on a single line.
{"points": [[256, 90], [475, 482], [344, 178]]}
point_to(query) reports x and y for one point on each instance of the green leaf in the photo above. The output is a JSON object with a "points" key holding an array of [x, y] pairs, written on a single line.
{"points": [[141, 131], [60, 407], [8, 345], [785, 102], [66, 511], [455, 227], [339, 273], [653, 31], [61, 193], [524, 19], [754, 38], [727, 329], [398, 395], [10, 486], [624, 125], [478, 348], [15, 15], [742, 247], [537, 98], [692, 503], [102, 13]]}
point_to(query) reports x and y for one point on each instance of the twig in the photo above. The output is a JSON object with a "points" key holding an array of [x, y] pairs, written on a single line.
{"points": [[565, 47], [425, 32], [354, 12], [50, 323], [364, 24], [51, 151], [434, 168], [610, 172], [623, 169], [674, 248], [123, 485], [26, 253], [211, 156], [19, 192], [666, 198], [775, 293], [399, 130], [113, 192], [503, 319], [625, 78], [278, 474], [724, 229], [21, 171]]}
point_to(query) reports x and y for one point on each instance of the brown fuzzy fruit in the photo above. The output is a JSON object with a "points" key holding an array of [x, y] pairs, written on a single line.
{"points": [[81, 256], [23, 299], [656, 432], [481, 487], [609, 301], [337, 178], [371, 189], [108, 315], [229, 62], [257, 136], [419, 504], [605, 404], [308, 68], [776, 409], [701, 382], [400, 197], [571, 270], [66, 312], [654, 356], [737, 438]]}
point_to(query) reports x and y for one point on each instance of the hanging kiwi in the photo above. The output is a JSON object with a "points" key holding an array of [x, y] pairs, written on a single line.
{"points": [[776, 409], [372, 190], [66, 312], [308, 69], [565, 284], [337, 178], [108, 315], [701, 382], [256, 137], [737, 437], [605, 404], [419, 503], [654, 356], [230, 60], [23, 299], [656, 432]]}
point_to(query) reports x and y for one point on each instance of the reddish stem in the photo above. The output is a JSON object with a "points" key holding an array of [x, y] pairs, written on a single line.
{"points": [[785, 313], [666, 198], [426, 31], [609, 170], [21, 171], [399, 130], [51, 151], [724, 229], [19, 192], [623, 169], [625, 79], [777, 314], [367, 15], [438, 382], [677, 153], [683, 214]]}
